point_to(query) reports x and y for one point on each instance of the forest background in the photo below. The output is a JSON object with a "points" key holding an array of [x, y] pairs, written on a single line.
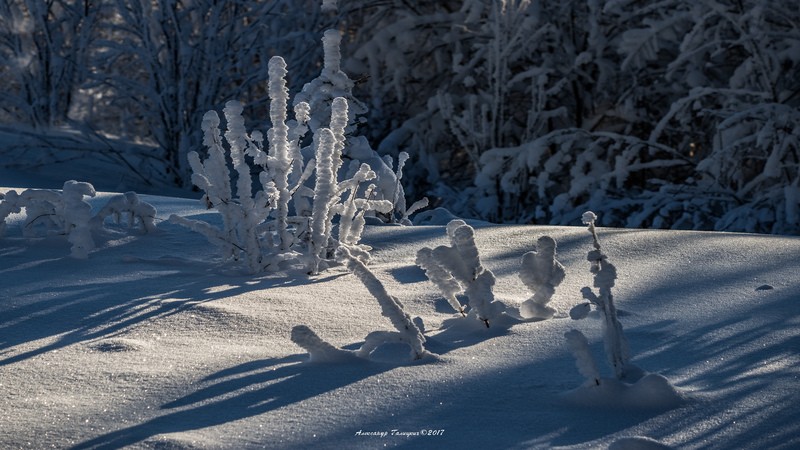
{"points": [[670, 114]]}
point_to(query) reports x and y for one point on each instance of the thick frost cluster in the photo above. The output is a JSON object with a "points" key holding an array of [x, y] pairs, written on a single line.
{"points": [[284, 222], [457, 269], [50, 212]]}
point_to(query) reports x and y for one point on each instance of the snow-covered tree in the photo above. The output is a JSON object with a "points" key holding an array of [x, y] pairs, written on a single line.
{"points": [[731, 70], [166, 62], [647, 114], [46, 51]]}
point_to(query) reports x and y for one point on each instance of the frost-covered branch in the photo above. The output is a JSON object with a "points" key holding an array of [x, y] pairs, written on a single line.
{"points": [[390, 306], [279, 163], [605, 274], [406, 332], [129, 206], [324, 196], [443, 279]]}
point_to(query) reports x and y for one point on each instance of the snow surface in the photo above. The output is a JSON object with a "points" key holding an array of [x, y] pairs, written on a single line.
{"points": [[151, 343]]}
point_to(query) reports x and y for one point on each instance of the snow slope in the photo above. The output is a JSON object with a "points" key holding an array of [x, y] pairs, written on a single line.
{"points": [[150, 343]]}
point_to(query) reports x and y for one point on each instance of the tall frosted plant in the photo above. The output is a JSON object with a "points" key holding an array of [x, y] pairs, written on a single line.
{"points": [[616, 345], [284, 222]]}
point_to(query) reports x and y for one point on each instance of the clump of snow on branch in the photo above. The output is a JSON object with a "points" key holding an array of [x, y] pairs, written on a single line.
{"points": [[457, 268], [318, 350], [50, 212], [407, 332], [330, 5], [579, 346], [541, 273]]}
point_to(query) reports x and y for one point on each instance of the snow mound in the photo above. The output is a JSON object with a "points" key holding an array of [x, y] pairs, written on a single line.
{"points": [[438, 216], [651, 392]]}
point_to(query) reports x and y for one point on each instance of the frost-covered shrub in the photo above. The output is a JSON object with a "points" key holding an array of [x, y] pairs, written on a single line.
{"points": [[50, 212], [457, 269], [749, 178], [406, 332], [631, 388], [541, 273], [284, 222], [616, 345]]}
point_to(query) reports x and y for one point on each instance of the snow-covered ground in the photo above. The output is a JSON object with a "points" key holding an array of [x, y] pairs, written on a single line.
{"points": [[150, 343]]}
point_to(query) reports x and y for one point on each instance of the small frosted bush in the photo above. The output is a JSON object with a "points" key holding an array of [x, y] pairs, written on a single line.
{"points": [[50, 212], [457, 269]]}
